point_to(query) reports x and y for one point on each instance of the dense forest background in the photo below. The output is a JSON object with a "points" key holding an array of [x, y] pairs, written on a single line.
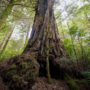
{"points": [[73, 21]]}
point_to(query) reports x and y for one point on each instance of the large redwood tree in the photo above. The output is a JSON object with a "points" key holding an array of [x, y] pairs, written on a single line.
{"points": [[45, 29], [44, 41]]}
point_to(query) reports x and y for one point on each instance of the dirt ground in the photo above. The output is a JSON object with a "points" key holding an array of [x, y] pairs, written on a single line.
{"points": [[42, 84]]}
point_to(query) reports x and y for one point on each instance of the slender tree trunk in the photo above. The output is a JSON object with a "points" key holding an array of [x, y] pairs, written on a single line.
{"points": [[81, 46], [5, 45], [75, 53], [83, 52], [27, 36], [2, 42]]}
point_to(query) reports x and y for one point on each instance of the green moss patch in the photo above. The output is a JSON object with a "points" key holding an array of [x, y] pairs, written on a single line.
{"points": [[20, 72], [13, 66]]}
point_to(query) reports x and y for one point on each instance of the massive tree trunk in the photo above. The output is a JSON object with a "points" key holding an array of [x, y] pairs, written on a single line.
{"points": [[45, 31], [44, 45], [44, 24]]}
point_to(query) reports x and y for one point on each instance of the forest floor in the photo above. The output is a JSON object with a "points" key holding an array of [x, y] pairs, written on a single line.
{"points": [[2, 86], [15, 66], [20, 73], [42, 84]]}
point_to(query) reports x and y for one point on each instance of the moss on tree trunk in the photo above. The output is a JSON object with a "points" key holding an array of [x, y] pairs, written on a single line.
{"points": [[37, 44]]}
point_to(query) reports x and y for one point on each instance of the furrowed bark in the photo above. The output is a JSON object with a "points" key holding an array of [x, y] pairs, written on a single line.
{"points": [[37, 42]]}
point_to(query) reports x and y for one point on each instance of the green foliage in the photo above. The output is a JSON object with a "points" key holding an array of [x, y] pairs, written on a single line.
{"points": [[73, 30], [74, 33], [13, 66], [81, 33], [71, 83], [10, 53], [87, 75], [68, 46]]}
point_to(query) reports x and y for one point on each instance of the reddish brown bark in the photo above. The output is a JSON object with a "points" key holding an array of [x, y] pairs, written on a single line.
{"points": [[45, 30], [45, 22]]}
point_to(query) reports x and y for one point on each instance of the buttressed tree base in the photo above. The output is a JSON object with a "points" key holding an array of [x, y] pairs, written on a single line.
{"points": [[42, 54], [45, 31]]}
